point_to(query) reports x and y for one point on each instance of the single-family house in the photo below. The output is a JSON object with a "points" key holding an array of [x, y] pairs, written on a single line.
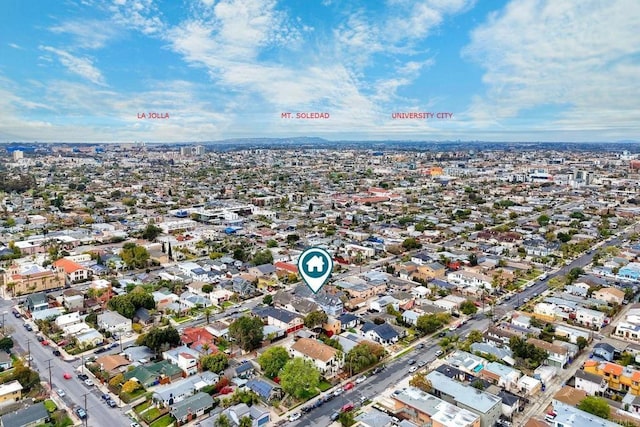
{"points": [[383, 334], [592, 384], [266, 389], [609, 295], [327, 359], [10, 391], [73, 271], [113, 322], [604, 351], [183, 357], [191, 407]]}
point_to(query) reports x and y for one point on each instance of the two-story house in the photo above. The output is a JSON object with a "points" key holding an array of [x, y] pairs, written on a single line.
{"points": [[73, 271], [113, 322], [183, 357], [327, 359], [557, 355]]}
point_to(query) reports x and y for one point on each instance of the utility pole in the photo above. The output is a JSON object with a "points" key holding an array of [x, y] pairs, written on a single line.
{"points": [[3, 329], [29, 353], [86, 418], [49, 367]]}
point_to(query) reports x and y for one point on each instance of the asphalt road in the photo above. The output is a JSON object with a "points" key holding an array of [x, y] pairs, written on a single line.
{"points": [[100, 414]]}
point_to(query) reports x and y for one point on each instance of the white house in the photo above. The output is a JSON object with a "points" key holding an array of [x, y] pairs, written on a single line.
{"points": [[184, 358], [592, 384], [113, 321]]}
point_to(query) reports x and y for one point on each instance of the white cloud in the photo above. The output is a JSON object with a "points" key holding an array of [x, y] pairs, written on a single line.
{"points": [[581, 57], [81, 66], [15, 46], [89, 34]]}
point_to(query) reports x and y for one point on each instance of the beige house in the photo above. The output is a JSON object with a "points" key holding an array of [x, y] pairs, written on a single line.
{"points": [[610, 295], [327, 359]]}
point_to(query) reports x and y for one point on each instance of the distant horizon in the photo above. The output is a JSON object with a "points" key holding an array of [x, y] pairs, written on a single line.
{"points": [[316, 138], [418, 70]]}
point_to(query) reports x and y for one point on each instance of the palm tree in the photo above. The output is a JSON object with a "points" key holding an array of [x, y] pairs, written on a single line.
{"points": [[222, 421], [207, 314], [245, 421]]}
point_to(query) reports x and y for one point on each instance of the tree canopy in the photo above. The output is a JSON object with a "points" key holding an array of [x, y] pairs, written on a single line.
{"points": [[429, 323], [134, 256], [127, 304], [263, 257], [273, 360], [151, 232], [248, 332], [595, 405], [363, 356], [299, 376], [315, 319], [214, 362], [468, 307], [161, 338]]}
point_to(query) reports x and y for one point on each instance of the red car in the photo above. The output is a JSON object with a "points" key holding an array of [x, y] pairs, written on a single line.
{"points": [[348, 386], [45, 342], [67, 376], [226, 390], [348, 407]]}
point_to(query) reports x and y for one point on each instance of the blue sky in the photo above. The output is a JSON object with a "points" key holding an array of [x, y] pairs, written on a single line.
{"points": [[519, 70]]}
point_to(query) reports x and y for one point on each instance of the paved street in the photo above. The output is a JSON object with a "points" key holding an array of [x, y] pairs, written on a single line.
{"points": [[99, 413]]}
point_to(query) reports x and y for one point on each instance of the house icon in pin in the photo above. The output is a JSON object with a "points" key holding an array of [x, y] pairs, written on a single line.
{"points": [[316, 263]]}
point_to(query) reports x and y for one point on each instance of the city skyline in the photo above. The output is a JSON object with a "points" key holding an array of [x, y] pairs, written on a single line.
{"points": [[519, 70]]}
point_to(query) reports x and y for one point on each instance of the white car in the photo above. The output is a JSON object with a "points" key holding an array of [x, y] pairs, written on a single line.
{"points": [[295, 416], [89, 382], [360, 379], [338, 391], [439, 353], [61, 392], [413, 369]]}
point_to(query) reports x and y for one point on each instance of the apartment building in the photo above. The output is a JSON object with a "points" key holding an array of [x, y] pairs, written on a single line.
{"points": [[618, 378], [29, 278], [487, 406], [425, 409]]}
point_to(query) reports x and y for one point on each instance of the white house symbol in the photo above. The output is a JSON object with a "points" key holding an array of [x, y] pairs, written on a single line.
{"points": [[315, 263]]}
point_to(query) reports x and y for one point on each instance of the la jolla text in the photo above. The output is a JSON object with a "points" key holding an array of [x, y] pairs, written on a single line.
{"points": [[151, 115]]}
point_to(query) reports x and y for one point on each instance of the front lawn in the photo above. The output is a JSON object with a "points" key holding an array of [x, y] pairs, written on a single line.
{"points": [[50, 405], [141, 407], [324, 386], [164, 421], [151, 414]]}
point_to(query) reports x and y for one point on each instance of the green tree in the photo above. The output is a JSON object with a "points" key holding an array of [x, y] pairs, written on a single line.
{"points": [[411, 243], [273, 360], [271, 243], [582, 342], [245, 421], [6, 344], [151, 232], [160, 338], [207, 289], [214, 362], [595, 405], [315, 319], [222, 421], [123, 305], [292, 238], [543, 220], [429, 323], [468, 307], [363, 356], [347, 419], [263, 257], [299, 376], [248, 332], [268, 299], [134, 256]]}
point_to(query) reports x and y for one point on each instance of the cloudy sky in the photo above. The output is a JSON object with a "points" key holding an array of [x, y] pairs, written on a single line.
{"points": [[519, 70]]}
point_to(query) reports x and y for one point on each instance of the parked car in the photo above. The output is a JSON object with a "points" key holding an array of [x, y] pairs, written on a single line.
{"points": [[413, 369], [349, 386], [421, 363], [105, 397], [61, 392], [83, 377], [421, 345], [111, 403], [81, 413], [338, 391], [28, 327], [335, 416], [411, 361], [56, 353], [295, 416], [88, 383], [439, 353], [360, 379], [348, 407]]}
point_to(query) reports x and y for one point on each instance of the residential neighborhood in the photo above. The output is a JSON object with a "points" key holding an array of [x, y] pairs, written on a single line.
{"points": [[145, 286]]}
